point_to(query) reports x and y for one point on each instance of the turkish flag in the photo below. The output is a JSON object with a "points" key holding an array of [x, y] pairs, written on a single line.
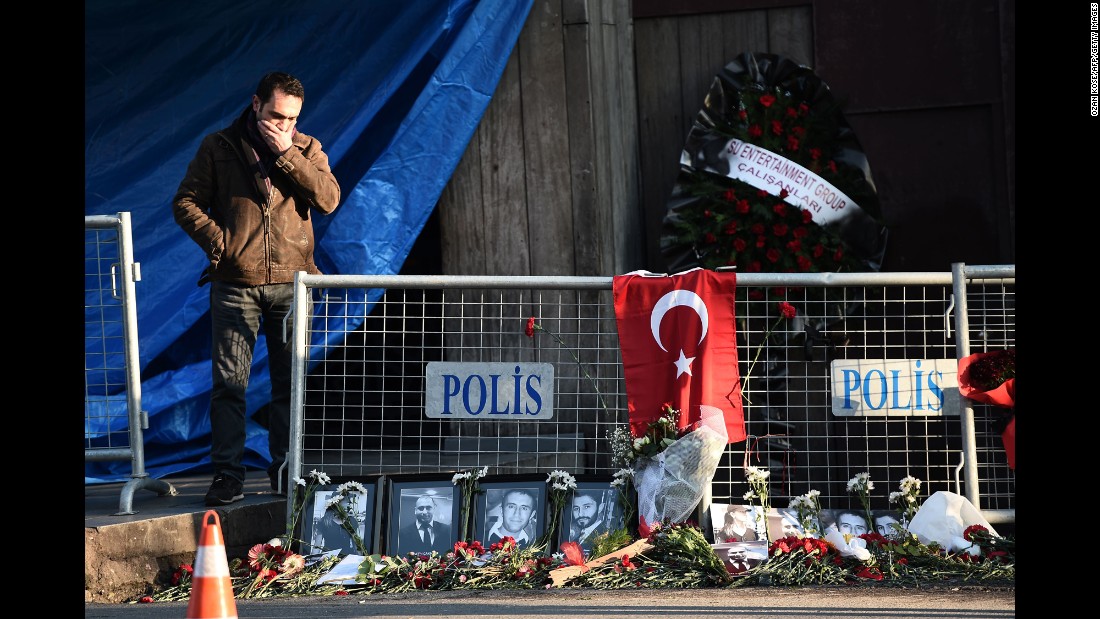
{"points": [[678, 339]]}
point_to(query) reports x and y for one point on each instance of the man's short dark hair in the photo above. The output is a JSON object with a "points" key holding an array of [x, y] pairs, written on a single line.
{"points": [[524, 491], [595, 495], [284, 82]]}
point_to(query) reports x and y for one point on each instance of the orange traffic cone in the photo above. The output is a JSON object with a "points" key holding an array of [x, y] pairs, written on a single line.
{"points": [[211, 587]]}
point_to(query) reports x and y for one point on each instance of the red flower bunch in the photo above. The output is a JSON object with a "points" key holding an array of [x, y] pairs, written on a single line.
{"points": [[469, 550], [506, 544], [875, 538], [971, 532], [989, 377], [625, 564], [814, 548], [183, 574], [989, 371], [269, 561]]}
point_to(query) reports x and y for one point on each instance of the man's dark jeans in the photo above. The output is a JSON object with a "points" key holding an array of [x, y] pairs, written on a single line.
{"points": [[237, 313]]}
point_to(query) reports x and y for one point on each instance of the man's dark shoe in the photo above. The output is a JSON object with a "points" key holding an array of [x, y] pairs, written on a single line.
{"points": [[224, 491]]}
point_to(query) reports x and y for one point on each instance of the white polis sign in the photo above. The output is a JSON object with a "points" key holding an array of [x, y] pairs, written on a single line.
{"points": [[489, 391], [890, 387]]}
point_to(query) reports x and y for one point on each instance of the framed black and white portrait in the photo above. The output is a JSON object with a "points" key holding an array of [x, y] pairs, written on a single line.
{"points": [[424, 513], [336, 511], [740, 557], [592, 509], [889, 524], [784, 522], [514, 507], [735, 522]]}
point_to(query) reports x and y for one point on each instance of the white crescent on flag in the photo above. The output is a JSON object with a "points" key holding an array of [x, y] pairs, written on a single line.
{"points": [[676, 298]]}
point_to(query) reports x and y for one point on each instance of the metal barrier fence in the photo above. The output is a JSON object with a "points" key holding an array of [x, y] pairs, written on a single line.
{"points": [[113, 418], [360, 409]]}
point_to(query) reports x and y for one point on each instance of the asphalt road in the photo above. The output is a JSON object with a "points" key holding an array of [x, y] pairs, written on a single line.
{"points": [[972, 602]]}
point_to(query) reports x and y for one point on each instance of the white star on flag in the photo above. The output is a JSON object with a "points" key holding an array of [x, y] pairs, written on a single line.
{"points": [[683, 364]]}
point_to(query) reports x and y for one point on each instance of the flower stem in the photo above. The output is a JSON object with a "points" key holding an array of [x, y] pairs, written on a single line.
{"points": [[748, 374], [350, 525], [578, 362]]}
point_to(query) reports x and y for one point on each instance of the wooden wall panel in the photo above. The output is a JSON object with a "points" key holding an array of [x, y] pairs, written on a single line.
{"points": [[504, 181], [898, 61], [910, 72], [790, 34], [582, 71], [545, 141], [660, 123], [579, 149], [952, 218], [620, 161], [463, 249]]}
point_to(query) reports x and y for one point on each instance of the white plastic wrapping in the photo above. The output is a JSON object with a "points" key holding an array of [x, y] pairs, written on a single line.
{"points": [[943, 517], [672, 483]]}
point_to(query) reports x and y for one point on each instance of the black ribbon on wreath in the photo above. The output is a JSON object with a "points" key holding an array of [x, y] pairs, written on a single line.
{"points": [[773, 179]]}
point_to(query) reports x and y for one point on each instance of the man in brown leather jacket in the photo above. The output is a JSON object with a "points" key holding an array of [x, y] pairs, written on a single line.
{"points": [[246, 200]]}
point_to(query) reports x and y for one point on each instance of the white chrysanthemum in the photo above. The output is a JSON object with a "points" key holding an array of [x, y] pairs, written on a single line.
{"points": [[350, 485], [861, 483], [460, 476], [756, 474], [299, 481], [750, 495], [563, 478], [320, 476], [483, 472], [910, 484]]}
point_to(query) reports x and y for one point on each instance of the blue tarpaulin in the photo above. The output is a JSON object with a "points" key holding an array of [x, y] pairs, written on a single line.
{"points": [[394, 91]]}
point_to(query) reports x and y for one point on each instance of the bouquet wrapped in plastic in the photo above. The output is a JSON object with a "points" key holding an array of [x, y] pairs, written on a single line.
{"points": [[671, 483]]}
